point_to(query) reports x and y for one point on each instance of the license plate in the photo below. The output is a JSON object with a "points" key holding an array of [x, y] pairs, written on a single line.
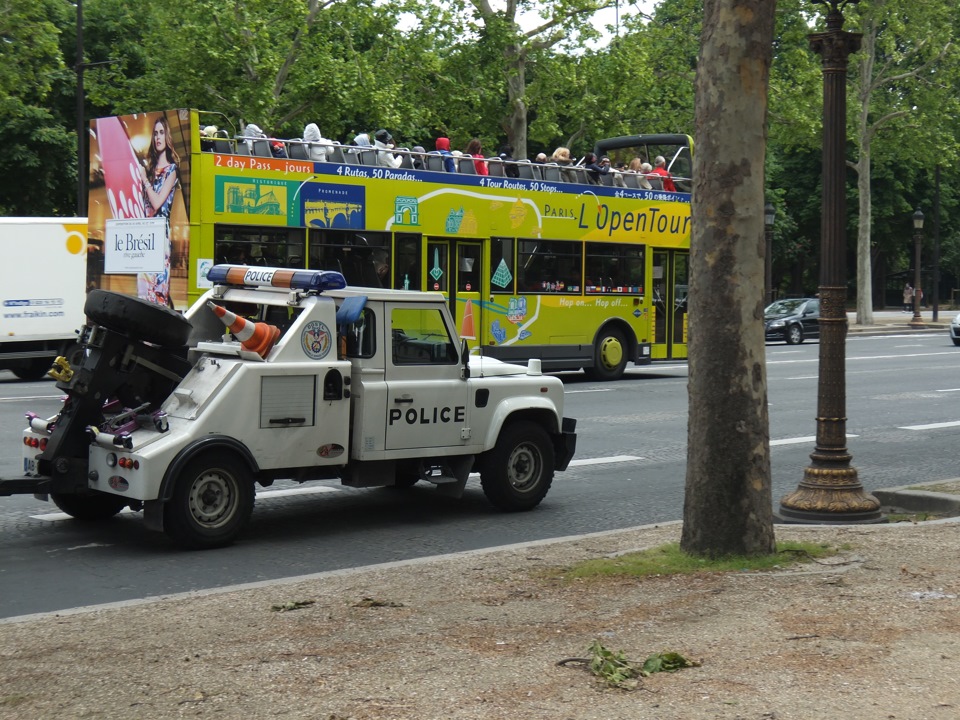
{"points": [[29, 466]]}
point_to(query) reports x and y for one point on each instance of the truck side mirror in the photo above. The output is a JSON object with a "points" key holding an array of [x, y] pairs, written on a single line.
{"points": [[464, 359]]}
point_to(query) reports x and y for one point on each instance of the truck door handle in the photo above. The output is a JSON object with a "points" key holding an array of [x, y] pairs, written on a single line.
{"points": [[287, 421], [401, 400]]}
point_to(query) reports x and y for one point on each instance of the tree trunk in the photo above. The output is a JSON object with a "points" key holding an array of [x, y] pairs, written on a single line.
{"points": [[865, 200], [864, 259], [516, 100], [728, 506]]}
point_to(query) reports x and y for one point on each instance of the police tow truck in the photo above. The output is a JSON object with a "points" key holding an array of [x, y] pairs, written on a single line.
{"points": [[283, 374]]}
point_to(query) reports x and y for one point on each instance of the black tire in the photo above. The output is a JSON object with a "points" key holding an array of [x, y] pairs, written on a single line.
{"points": [[137, 318], [95, 507], [517, 473], [32, 369], [609, 355], [956, 341], [212, 502], [406, 476], [793, 335]]}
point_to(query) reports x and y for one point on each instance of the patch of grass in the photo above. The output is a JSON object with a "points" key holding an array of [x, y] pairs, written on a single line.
{"points": [[912, 517], [950, 488], [670, 560], [12, 701]]}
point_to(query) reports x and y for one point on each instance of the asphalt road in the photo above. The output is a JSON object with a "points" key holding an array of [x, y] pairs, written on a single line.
{"points": [[903, 421]]}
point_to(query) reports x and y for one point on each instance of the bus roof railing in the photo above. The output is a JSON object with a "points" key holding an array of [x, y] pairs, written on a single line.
{"points": [[410, 156]]}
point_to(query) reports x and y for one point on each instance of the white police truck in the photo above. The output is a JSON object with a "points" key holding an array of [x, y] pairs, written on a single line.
{"points": [[283, 374]]}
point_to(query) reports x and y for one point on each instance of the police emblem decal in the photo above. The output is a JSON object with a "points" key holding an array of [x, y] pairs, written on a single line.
{"points": [[316, 340]]}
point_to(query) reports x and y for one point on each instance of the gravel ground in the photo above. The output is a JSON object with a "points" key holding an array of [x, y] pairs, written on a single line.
{"points": [[873, 632]]}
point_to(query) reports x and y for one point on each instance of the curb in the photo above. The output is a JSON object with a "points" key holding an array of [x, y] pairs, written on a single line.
{"points": [[914, 500]]}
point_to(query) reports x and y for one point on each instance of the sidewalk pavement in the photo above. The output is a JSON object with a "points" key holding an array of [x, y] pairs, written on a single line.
{"points": [[888, 321]]}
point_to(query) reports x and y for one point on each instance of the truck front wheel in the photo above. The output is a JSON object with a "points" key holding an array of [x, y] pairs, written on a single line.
{"points": [[517, 473], [95, 507], [212, 501]]}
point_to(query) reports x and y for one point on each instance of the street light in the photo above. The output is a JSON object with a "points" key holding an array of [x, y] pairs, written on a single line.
{"points": [[917, 293], [769, 215], [830, 491]]}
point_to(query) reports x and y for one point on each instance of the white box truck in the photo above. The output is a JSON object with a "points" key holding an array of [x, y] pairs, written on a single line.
{"points": [[42, 291]]}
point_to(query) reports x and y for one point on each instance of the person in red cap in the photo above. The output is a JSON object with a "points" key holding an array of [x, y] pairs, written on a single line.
{"points": [[443, 147]]}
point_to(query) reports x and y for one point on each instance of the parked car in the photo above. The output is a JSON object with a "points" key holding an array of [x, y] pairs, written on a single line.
{"points": [[793, 320], [955, 330]]}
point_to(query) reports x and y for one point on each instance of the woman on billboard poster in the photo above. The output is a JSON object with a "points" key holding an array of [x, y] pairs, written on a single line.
{"points": [[160, 176]]}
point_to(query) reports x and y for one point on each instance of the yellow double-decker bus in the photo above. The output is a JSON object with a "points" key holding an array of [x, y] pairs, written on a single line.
{"points": [[544, 265]]}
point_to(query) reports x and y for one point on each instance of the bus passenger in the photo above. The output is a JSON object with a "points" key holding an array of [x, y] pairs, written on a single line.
{"points": [[641, 168], [317, 148], [661, 169], [594, 168], [252, 132], [561, 156], [443, 147], [510, 168], [475, 150], [383, 141]]}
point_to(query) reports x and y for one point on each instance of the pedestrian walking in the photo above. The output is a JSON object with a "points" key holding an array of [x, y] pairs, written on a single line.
{"points": [[908, 298]]}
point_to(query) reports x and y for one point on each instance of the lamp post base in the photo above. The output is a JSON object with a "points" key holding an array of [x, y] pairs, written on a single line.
{"points": [[830, 496]]}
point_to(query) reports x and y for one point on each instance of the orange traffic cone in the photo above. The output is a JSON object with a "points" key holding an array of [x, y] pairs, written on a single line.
{"points": [[258, 337], [468, 332]]}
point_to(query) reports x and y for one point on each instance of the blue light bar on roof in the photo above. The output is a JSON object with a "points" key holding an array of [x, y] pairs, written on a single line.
{"points": [[254, 276]]}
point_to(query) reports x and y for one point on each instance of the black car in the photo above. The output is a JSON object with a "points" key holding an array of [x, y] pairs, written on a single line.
{"points": [[792, 320]]}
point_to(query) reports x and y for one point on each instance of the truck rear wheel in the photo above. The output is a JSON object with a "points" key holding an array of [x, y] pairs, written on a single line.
{"points": [[32, 369], [518, 472], [94, 507], [137, 318], [212, 501]]}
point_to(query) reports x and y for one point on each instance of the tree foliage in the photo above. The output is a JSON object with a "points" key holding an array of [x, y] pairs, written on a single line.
{"points": [[37, 167]]}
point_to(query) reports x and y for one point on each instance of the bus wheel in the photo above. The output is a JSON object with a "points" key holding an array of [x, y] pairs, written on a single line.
{"points": [[137, 318], [94, 507], [609, 356], [517, 473], [211, 502]]}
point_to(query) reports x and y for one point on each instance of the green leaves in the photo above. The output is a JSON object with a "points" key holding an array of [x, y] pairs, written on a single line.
{"points": [[615, 670]]}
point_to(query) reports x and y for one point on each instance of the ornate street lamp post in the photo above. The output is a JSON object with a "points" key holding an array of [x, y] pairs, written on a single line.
{"points": [[769, 216], [917, 294], [830, 491]]}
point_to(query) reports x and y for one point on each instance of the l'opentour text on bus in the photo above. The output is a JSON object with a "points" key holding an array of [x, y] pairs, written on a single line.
{"points": [[545, 266]]}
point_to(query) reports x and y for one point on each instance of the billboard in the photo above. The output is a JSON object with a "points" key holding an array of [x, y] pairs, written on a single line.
{"points": [[140, 178]]}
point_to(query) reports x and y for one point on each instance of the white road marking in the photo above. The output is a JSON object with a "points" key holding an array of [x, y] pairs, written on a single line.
{"points": [[862, 357], [931, 426], [949, 390], [798, 440], [89, 545], [63, 516], [306, 490], [574, 392], [604, 460], [31, 397]]}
